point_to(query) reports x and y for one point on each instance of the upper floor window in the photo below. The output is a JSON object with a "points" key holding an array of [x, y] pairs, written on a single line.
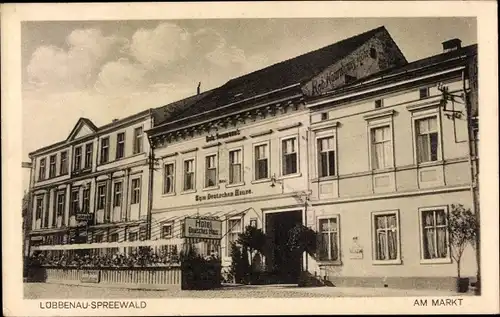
{"points": [[427, 139], [326, 156], [211, 171], [169, 178], [434, 233], [114, 237], [138, 140], [120, 145], [261, 161], [189, 174], [381, 143], [101, 196], [423, 92], [75, 201], [104, 150], [328, 239], [88, 154], [379, 103], [77, 163], [117, 194], [289, 156], [61, 204], [64, 163], [136, 191], [39, 207], [386, 236], [86, 199], [52, 166], [235, 159], [133, 236], [324, 116], [41, 170]]}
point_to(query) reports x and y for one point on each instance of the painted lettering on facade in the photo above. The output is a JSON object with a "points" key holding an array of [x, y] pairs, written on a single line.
{"points": [[235, 193], [219, 136]]}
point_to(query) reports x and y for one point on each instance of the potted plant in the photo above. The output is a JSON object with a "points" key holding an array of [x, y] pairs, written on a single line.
{"points": [[462, 227]]}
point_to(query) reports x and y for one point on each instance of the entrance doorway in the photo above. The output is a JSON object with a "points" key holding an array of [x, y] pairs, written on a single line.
{"points": [[283, 264]]}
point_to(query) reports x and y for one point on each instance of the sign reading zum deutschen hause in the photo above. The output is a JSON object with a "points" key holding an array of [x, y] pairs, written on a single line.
{"points": [[202, 228]]}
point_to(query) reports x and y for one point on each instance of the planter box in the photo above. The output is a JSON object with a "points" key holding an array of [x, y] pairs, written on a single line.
{"points": [[462, 284]]}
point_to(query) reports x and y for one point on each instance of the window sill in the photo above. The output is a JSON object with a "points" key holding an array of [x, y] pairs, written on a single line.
{"points": [[324, 179], [120, 159], [190, 191], [436, 261], [330, 263], [168, 194], [430, 164], [289, 176], [262, 180], [387, 262], [383, 170], [206, 189], [235, 185]]}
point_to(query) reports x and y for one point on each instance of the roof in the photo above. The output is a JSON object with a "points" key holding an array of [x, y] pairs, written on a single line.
{"points": [[284, 74]]}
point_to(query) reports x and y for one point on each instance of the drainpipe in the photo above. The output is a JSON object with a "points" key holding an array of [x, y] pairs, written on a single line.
{"points": [[151, 165], [474, 183]]}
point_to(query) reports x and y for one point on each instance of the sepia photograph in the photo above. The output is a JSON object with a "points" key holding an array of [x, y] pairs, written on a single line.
{"points": [[250, 157]]}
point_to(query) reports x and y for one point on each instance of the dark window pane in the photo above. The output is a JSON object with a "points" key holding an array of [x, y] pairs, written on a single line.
{"points": [[434, 146]]}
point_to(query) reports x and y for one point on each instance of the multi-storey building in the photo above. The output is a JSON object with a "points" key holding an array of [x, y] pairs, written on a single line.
{"points": [[388, 159], [93, 186], [240, 153]]}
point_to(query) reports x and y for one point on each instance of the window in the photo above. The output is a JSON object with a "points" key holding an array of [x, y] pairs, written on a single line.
{"points": [[98, 238], [61, 201], [381, 147], [427, 140], [234, 228], [120, 145], [434, 234], [52, 166], [75, 201], [261, 161], [41, 171], [373, 53], [133, 236], [379, 103], [86, 199], [235, 167], [326, 157], [289, 156], [114, 237], [138, 140], [39, 207], [64, 163], [189, 174], [386, 231], [211, 171], [324, 116], [117, 194], [328, 239], [424, 92], [104, 150], [88, 154], [101, 197], [166, 231], [136, 191], [169, 178], [77, 164]]}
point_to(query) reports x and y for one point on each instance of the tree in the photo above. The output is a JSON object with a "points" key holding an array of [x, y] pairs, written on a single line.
{"points": [[462, 228], [251, 240], [302, 239]]}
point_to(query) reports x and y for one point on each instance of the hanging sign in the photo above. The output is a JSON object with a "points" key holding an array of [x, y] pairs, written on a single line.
{"points": [[202, 228]]}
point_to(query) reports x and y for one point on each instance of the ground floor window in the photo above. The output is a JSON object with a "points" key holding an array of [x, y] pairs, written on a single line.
{"points": [[234, 228], [434, 233], [328, 246], [386, 235]]}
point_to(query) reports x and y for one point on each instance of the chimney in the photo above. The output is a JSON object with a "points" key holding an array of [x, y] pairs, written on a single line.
{"points": [[198, 89], [452, 45]]}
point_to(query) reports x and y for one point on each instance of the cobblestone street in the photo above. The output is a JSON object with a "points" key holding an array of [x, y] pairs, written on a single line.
{"points": [[60, 291]]}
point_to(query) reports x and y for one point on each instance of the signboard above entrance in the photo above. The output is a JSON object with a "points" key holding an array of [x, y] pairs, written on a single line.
{"points": [[202, 228]]}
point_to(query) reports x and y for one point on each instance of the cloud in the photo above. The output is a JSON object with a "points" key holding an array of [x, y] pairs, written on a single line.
{"points": [[120, 75], [54, 67], [160, 46]]}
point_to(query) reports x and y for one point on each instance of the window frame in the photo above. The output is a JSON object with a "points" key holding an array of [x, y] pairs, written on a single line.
{"points": [[422, 116], [99, 186], [77, 157], [371, 129], [189, 190], [120, 193], [173, 163], [297, 152], [52, 166], [318, 138], [136, 235], [136, 149], [227, 253], [448, 258], [164, 225], [229, 164], [86, 205], [338, 261], [135, 191], [42, 169], [88, 163], [216, 168], [267, 144], [427, 92], [74, 201], [373, 217], [104, 159], [59, 194], [120, 145], [39, 208], [63, 164]]}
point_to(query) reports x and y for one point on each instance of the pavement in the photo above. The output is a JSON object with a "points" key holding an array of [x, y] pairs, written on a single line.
{"points": [[67, 289]]}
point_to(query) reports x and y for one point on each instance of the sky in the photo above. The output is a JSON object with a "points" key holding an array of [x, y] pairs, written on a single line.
{"points": [[104, 70]]}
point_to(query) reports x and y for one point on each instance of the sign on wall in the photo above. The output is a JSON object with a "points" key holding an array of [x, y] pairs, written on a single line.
{"points": [[202, 228], [90, 277]]}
